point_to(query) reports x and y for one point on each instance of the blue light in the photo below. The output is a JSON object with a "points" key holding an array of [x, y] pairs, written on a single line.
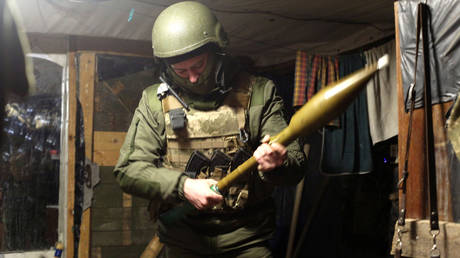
{"points": [[131, 13]]}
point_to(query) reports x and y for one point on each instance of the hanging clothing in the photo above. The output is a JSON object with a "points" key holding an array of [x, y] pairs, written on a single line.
{"points": [[302, 63], [347, 150], [311, 75], [382, 100]]}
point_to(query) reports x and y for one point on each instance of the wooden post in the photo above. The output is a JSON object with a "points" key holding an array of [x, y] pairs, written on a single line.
{"points": [[69, 241], [417, 192], [153, 249], [87, 68]]}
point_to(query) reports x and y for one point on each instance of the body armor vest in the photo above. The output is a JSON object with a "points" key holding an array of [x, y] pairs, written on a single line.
{"points": [[210, 131]]}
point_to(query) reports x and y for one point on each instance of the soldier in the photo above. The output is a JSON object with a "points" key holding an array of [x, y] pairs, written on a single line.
{"points": [[205, 106]]}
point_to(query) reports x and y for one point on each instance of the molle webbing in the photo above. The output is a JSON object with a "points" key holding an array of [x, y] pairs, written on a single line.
{"points": [[208, 130], [178, 154]]}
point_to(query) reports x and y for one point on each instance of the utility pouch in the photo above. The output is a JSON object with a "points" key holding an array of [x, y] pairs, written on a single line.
{"points": [[240, 156], [220, 160], [178, 118], [197, 163]]}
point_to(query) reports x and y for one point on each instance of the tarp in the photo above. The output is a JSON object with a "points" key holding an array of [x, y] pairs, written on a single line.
{"points": [[269, 31], [444, 50]]}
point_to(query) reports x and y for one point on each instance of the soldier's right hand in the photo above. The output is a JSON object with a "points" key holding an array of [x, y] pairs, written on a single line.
{"points": [[198, 192]]}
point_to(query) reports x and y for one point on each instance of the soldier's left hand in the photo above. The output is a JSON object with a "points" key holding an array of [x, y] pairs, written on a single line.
{"points": [[269, 156]]}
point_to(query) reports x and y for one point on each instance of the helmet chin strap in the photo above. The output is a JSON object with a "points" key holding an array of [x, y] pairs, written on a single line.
{"points": [[215, 80], [221, 82]]}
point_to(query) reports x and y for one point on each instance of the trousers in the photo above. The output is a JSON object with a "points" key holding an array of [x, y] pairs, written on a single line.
{"points": [[256, 251]]}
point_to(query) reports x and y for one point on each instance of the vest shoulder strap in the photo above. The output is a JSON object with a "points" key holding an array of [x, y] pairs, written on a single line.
{"points": [[152, 100], [258, 87]]}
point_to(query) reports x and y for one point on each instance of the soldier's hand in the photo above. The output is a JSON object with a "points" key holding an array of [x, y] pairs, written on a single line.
{"points": [[198, 192], [269, 156]]}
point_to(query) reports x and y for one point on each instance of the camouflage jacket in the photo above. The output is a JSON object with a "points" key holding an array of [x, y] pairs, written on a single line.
{"points": [[140, 170]]}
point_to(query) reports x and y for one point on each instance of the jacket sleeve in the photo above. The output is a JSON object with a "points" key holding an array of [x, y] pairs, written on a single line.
{"points": [[139, 169], [270, 118]]}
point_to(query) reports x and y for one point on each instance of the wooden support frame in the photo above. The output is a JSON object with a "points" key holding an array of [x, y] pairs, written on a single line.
{"points": [[86, 90], [416, 238], [417, 189], [87, 68], [72, 115], [101, 147]]}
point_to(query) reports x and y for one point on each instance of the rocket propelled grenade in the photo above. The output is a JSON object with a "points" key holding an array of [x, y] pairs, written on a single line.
{"points": [[324, 106]]}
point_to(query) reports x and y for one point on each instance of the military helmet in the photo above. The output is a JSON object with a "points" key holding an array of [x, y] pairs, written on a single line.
{"points": [[184, 27]]}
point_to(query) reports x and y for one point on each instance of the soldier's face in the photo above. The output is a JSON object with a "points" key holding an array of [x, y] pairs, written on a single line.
{"points": [[191, 68]]}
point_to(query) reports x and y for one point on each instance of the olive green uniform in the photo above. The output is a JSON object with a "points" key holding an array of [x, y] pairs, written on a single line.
{"points": [[141, 172]]}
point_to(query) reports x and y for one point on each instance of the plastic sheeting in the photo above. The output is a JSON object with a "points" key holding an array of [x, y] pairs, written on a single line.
{"points": [[29, 178], [268, 31], [444, 42], [30, 163]]}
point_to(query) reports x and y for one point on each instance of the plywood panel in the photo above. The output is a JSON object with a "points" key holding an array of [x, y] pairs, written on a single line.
{"points": [[120, 224], [112, 219], [106, 174], [120, 82], [108, 140], [106, 157], [107, 196], [107, 147], [116, 238]]}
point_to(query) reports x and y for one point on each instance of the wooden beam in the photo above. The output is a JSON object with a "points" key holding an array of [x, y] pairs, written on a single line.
{"points": [[69, 242], [415, 185], [59, 43], [87, 71], [153, 249]]}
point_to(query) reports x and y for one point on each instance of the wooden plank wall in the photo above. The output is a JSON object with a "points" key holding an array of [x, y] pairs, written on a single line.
{"points": [[120, 223], [107, 147], [117, 224]]}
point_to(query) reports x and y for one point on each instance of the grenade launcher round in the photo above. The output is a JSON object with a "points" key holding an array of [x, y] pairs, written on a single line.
{"points": [[324, 106]]}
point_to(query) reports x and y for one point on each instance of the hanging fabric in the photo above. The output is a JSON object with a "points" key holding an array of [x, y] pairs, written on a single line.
{"points": [[382, 100], [347, 149], [302, 63], [312, 73]]}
